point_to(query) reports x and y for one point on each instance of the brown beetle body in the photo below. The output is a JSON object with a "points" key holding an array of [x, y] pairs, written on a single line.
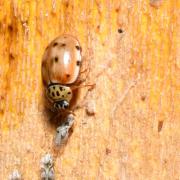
{"points": [[61, 65]]}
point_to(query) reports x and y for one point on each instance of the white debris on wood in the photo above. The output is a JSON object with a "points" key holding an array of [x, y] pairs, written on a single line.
{"points": [[47, 170], [15, 175], [62, 131], [91, 108]]}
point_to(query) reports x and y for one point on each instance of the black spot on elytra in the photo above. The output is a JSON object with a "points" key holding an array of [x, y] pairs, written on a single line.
{"points": [[120, 31], [54, 87], [55, 44], [78, 63], [60, 88], [67, 75], [78, 48], [53, 94], [63, 45], [57, 93], [69, 92], [56, 59], [62, 95]]}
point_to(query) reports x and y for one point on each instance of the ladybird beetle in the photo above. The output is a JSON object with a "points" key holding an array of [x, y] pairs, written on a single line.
{"points": [[61, 64]]}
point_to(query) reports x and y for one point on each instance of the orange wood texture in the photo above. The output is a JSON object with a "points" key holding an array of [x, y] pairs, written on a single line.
{"points": [[135, 133]]}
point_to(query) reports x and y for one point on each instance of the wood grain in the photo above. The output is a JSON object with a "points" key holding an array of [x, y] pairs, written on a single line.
{"points": [[135, 131]]}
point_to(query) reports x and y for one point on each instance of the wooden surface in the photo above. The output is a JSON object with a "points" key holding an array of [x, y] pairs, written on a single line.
{"points": [[135, 133]]}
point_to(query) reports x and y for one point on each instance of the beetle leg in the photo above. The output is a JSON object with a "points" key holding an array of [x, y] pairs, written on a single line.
{"points": [[85, 70], [80, 81], [79, 106], [83, 104], [68, 111], [61, 112]]}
